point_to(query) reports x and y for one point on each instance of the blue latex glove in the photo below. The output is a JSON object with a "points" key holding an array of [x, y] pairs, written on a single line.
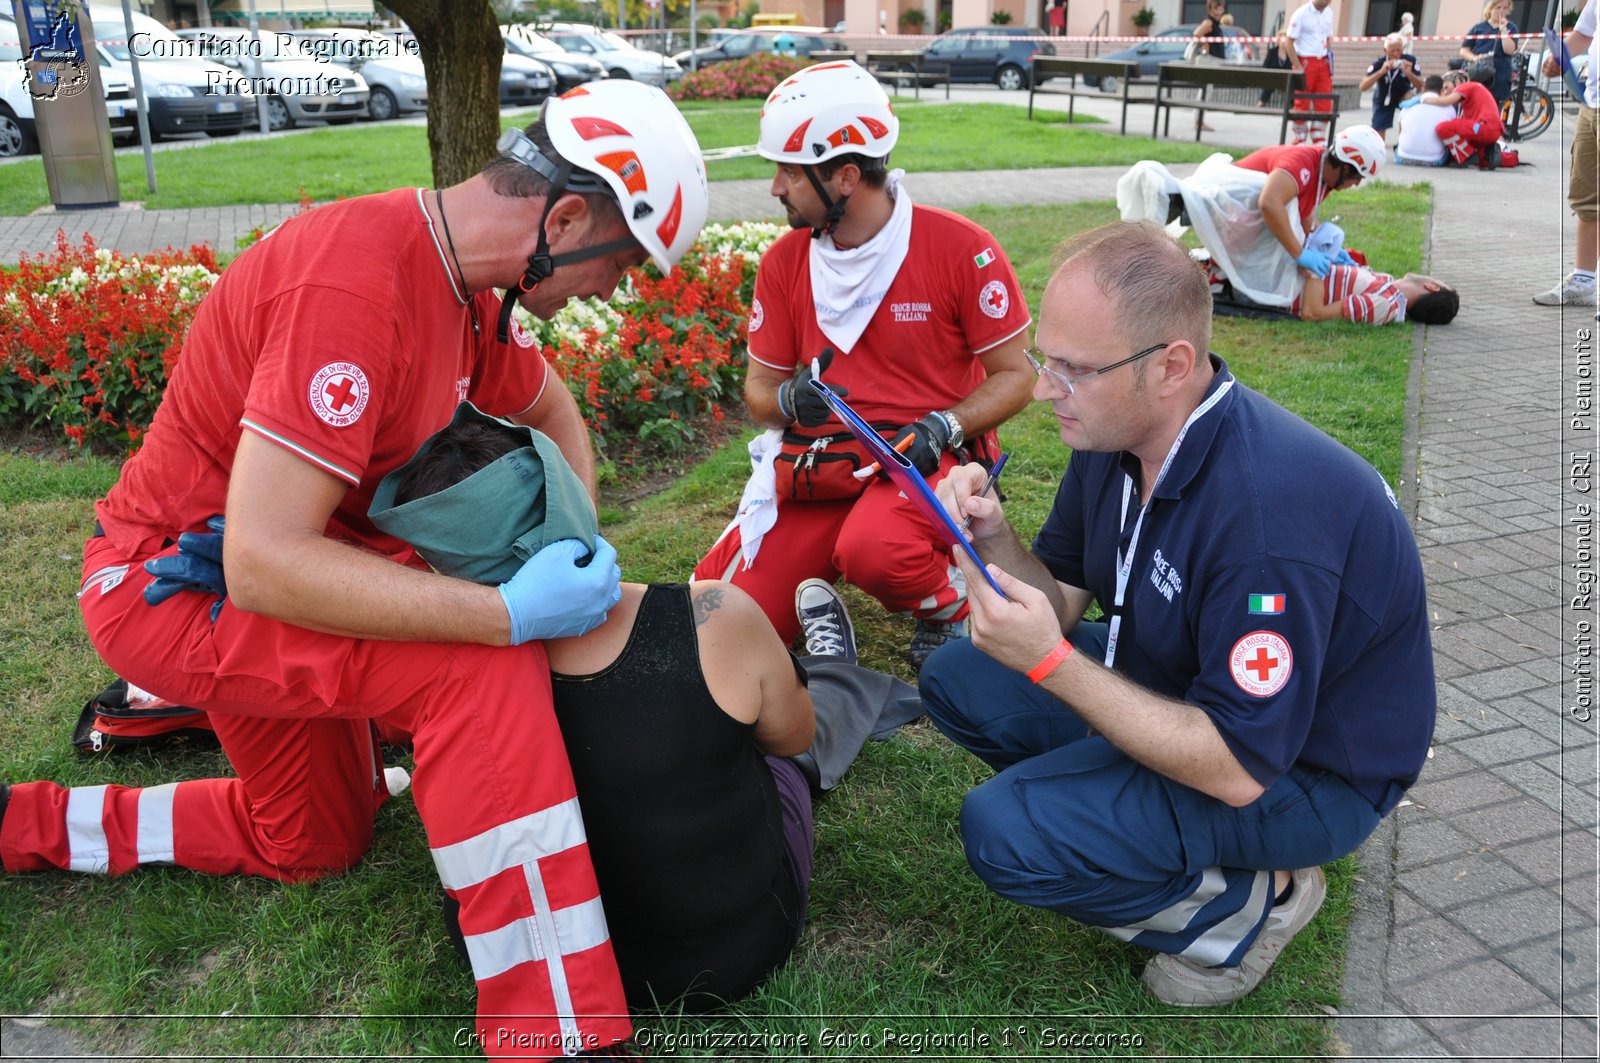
{"points": [[550, 597], [197, 566], [1314, 261], [1343, 259]]}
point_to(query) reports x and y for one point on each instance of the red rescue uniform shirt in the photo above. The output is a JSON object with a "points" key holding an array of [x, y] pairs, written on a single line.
{"points": [[1303, 162], [343, 342], [1477, 105], [954, 297]]}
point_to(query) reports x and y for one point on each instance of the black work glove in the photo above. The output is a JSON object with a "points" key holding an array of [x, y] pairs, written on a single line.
{"points": [[197, 566], [799, 401], [931, 439]]}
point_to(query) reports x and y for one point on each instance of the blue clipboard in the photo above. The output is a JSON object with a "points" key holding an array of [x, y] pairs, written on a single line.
{"points": [[1558, 48], [905, 474]]}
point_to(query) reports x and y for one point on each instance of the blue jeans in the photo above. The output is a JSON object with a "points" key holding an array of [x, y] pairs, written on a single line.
{"points": [[1071, 824]]}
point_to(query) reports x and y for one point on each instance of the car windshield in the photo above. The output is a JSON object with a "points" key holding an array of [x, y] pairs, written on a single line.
{"points": [[534, 45], [615, 42]]}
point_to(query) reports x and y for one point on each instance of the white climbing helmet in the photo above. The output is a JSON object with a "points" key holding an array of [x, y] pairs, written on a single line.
{"points": [[1361, 147], [633, 137], [830, 109]]}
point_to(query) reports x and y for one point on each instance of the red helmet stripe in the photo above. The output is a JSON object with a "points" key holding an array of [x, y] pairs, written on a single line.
{"points": [[590, 127], [797, 139], [668, 229], [574, 93], [626, 165], [832, 66], [875, 127]]}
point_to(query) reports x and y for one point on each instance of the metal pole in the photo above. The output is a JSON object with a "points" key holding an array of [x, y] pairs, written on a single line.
{"points": [[262, 118], [694, 33], [144, 104]]}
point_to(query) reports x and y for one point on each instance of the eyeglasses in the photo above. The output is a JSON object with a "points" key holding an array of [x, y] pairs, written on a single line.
{"points": [[1074, 375]]}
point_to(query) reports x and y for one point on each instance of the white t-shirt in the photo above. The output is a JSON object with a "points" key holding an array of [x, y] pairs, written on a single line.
{"points": [[1419, 140], [1586, 26], [1309, 29]]}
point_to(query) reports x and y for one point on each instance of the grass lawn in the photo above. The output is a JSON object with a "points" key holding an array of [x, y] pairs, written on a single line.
{"points": [[902, 944], [353, 160]]}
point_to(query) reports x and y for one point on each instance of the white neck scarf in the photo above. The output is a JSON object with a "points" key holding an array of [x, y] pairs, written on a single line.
{"points": [[847, 287]]}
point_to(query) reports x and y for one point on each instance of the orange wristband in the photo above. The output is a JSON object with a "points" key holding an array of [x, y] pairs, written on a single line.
{"points": [[1062, 651]]}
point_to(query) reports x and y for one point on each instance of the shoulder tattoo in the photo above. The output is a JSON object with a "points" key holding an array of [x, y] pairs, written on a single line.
{"points": [[706, 603]]}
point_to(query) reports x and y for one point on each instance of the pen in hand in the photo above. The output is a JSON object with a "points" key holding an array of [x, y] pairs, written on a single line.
{"points": [[900, 448], [994, 474]]}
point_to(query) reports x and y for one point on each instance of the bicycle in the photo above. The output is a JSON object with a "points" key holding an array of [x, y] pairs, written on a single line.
{"points": [[1528, 110]]}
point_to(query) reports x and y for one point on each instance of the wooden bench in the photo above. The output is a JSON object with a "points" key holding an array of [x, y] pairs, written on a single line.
{"points": [[1055, 66], [908, 67], [1181, 76]]}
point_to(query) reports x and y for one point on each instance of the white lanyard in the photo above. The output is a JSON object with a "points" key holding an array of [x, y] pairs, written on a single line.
{"points": [[1125, 563]]}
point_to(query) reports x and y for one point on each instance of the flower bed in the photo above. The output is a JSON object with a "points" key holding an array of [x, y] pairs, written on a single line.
{"points": [[738, 79], [666, 351], [87, 337]]}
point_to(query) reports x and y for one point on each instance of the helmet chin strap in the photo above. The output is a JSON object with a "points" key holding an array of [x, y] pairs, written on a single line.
{"points": [[835, 206], [541, 264]]}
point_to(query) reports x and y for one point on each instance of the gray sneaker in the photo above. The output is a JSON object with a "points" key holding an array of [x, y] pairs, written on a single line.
{"points": [[1568, 293], [1186, 984], [930, 635], [824, 621]]}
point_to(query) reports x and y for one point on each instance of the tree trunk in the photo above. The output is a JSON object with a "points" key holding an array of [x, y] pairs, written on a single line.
{"points": [[461, 51]]}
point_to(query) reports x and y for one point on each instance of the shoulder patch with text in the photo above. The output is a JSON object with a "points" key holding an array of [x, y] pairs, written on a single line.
{"points": [[994, 300], [1261, 663], [339, 393]]}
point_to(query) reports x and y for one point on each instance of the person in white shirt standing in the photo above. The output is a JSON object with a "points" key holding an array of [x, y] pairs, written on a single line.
{"points": [[1583, 182], [1305, 41]]}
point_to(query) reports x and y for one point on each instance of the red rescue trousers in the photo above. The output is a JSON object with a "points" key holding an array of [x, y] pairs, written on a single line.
{"points": [[294, 710], [877, 541], [1318, 79], [1461, 140]]}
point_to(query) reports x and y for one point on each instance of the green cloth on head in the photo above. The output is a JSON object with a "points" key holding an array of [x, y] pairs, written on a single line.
{"points": [[484, 527]]}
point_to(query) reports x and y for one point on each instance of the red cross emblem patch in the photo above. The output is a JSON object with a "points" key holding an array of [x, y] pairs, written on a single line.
{"points": [[1260, 663], [994, 300], [757, 315], [339, 393]]}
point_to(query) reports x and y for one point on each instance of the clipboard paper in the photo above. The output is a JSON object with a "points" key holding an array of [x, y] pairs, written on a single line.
{"points": [[907, 478]]}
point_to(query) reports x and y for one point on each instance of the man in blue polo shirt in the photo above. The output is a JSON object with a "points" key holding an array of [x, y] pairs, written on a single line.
{"points": [[1263, 691]]}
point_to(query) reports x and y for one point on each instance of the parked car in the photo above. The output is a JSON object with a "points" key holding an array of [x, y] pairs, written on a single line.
{"points": [[315, 91], [185, 94], [525, 82], [395, 79], [619, 57], [782, 40], [1167, 46], [1002, 55], [570, 69], [18, 125]]}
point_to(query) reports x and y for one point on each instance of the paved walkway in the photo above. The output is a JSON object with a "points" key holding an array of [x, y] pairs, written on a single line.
{"points": [[1474, 932]]}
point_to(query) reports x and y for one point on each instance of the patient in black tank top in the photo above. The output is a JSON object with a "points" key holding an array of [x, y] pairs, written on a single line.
{"points": [[683, 818], [701, 843]]}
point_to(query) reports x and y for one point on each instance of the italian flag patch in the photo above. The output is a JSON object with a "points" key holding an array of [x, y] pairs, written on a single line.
{"points": [[1266, 604], [983, 258]]}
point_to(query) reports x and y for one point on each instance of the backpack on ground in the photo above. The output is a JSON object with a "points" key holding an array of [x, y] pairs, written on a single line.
{"points": [[122, 717]]}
